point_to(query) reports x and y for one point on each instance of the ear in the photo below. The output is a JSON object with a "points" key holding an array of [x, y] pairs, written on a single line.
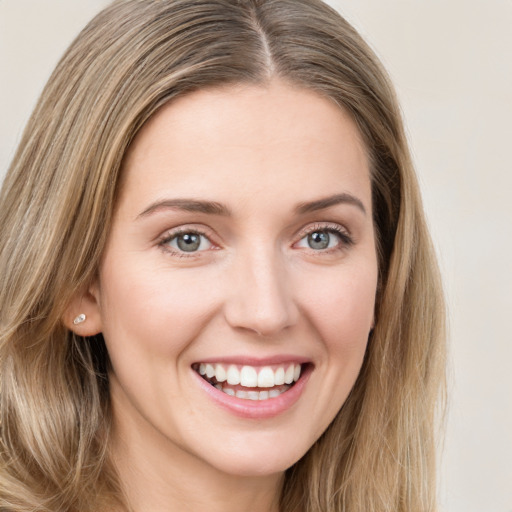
{"points": [[85, 302]]}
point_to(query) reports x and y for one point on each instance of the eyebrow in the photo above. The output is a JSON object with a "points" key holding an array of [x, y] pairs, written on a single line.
{"points": [[327, 202], [214, 208], [189, 205]]}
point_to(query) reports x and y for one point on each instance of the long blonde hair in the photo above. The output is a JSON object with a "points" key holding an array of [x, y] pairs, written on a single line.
{"points": [[55, 210]]}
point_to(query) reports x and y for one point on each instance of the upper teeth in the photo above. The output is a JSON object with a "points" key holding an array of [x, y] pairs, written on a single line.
{"points": [[251, 376]]}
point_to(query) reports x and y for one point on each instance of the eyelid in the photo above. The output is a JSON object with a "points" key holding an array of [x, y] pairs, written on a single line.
{"points": [[341, 231], [172, 233], [323, 226]]}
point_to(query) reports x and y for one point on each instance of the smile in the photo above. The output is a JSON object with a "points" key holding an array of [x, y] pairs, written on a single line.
{"points": [[250, 382]]}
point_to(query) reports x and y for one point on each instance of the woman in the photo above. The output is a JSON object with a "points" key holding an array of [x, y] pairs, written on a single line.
{"points": [[218, 288]]}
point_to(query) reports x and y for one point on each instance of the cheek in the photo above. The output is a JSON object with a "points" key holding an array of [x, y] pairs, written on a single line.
{"points": [[341, 305], [153, 310]]}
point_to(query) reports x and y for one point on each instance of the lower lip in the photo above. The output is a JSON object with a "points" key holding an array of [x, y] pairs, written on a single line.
{"points": [[257, 409]]}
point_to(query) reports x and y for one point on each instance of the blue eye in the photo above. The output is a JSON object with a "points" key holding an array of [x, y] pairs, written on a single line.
{"points": [[188, 242], [319, 240], [322, 239]]}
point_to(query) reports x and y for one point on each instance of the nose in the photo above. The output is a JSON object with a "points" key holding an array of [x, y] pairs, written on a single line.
{"points": [[260, 299]]}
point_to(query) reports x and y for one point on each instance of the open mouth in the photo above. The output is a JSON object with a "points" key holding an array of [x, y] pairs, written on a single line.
{"points": [[250, 382]]}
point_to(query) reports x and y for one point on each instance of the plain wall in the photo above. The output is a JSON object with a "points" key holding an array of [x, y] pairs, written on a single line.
{"points": [[451, 61]]}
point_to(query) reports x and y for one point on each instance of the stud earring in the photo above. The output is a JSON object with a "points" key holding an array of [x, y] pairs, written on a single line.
{"points": [[79, 319]]}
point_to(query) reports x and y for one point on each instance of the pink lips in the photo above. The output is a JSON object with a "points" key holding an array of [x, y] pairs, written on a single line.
{"points": [[258, 409]]}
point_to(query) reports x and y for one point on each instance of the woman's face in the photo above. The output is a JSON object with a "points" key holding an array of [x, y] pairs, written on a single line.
{"points": [[242, 254]]}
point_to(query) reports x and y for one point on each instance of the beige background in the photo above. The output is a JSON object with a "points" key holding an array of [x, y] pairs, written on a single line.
{"points": [[451, 61]]}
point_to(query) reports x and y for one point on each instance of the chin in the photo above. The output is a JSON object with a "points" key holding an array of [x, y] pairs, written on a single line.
{"points": [[267, 455], [259, 465]]}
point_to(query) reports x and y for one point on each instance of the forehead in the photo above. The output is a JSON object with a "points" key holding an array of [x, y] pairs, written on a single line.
{"points": [[242, 138]]}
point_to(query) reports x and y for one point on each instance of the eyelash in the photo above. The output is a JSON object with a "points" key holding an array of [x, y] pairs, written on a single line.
{"points": [[345, 240], [169, 237]]}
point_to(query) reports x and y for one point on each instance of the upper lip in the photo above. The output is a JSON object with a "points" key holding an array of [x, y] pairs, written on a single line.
{"points": [[256, 361]]}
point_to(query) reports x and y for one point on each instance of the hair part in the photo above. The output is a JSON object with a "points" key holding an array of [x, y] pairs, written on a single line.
{"points": [[56, 207]]}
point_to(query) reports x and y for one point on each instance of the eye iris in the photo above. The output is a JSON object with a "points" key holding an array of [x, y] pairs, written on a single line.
{"points": [[189, 242], [318, 240]]}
